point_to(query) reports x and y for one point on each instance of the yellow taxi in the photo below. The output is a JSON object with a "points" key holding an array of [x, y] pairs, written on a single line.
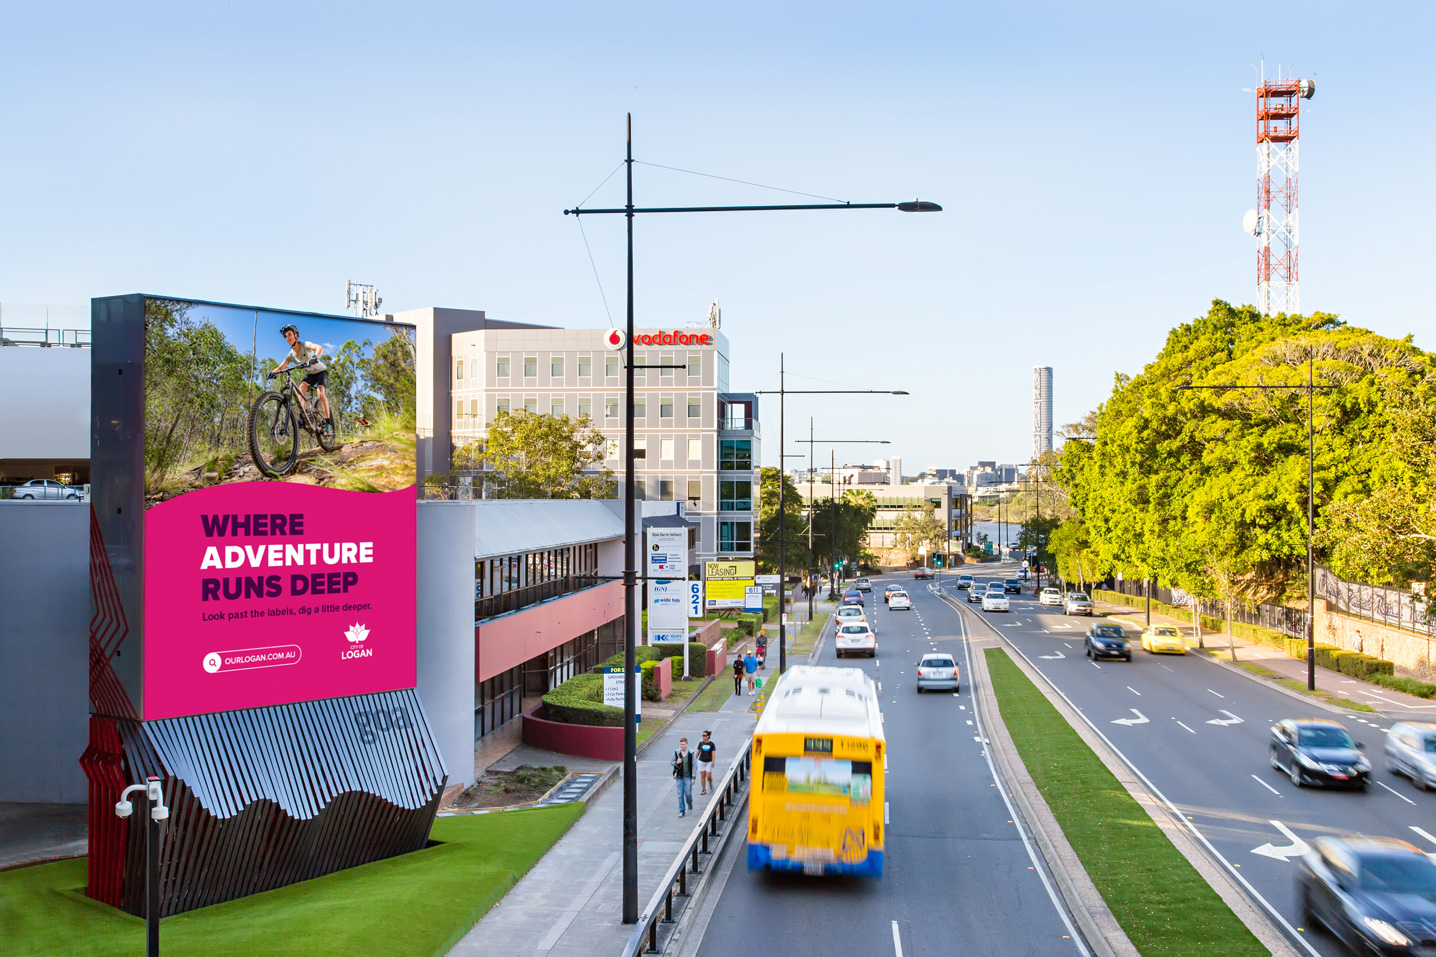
{"points": [[1163, 639]]}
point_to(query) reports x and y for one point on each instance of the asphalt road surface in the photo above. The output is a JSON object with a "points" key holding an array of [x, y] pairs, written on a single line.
{"points": [[958, 877], [1199, 732]]}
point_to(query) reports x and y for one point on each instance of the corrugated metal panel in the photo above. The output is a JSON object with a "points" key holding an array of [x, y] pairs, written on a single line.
{"points": [[512, 527]]}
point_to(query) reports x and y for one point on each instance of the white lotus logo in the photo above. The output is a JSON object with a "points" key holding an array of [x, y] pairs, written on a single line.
{"points": [[357, 633]]}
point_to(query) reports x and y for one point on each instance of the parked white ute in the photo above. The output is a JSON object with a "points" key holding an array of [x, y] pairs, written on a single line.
{"points": [[994, 601], [899, 599], [856, 640], [1050, 596]]}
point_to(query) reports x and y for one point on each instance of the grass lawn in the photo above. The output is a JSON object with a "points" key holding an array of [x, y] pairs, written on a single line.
{"points": [[417, 904], [714, 695], [808, 635], [1161, 901], [683, 689]]}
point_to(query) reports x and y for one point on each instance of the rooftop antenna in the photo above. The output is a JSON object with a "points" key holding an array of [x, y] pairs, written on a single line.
{"points": [[715, 316], [1275, 221], [362, 299]]}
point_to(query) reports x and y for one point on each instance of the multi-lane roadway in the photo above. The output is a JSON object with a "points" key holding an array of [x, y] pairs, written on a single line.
{"points": [[960, 876], [1198, 732]]}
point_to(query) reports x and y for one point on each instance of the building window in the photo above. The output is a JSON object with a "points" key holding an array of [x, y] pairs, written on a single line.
{"points": [[695, 406], [665, 490], [585, 365], [610, 406], [735, 454], [459, 409], [530, 366], [585, 406], [665, 450], [667, 363], [473, 408], [695, 491], [695, 449], [531, 404], [735, 536], [610, 448], [665, 407], [610, 366], [501, 367], [640, 409], [459, 370], [640, 491], [735, 496], [555, 367], [640, 449], [499, 701], [555, 405], [695, 365], [737, 416], [502, 406]]}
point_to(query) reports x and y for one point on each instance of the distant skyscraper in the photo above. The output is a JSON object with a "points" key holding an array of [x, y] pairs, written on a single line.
{"points": [[1041, 411]]}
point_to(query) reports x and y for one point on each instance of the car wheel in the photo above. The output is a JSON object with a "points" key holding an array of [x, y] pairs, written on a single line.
{"points": [[1275, 764], [1294, 772], [1308, 913], [31, 497], [1129, 657]]}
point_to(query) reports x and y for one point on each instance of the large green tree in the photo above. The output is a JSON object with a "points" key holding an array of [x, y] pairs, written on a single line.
{"points": [[1206, 488], [918, 526], [840, 527], [794, 527], [531, 455]]}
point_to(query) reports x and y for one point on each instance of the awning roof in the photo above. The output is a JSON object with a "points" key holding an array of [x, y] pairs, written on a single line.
{"points": [[512, 527]]}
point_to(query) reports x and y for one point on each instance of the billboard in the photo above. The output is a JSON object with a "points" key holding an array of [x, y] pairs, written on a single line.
{"points": [[723, 593], [274, 461]]}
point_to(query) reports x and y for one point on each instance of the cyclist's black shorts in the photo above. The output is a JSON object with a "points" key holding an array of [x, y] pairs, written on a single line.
{"points": [[316, 378]]}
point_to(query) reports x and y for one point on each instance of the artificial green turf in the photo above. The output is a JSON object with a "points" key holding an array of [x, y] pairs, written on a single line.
{"points": [[1160, 900], [416, 904]]}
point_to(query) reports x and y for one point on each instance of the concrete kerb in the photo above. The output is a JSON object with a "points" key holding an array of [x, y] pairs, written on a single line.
{"points": [[1257, 920]]}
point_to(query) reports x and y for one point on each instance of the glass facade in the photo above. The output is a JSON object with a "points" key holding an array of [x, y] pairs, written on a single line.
{"points": [[503, 585]]}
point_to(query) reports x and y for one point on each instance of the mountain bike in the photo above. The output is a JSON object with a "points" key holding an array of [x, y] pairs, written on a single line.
{"points": [[282, 422]]}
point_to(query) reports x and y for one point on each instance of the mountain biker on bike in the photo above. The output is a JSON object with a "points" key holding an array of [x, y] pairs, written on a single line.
{"points": [[306, 355]]}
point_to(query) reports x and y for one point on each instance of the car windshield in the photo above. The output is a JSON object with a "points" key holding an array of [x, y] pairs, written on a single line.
{"points": [[854, 629], [1165, 632], [1107, 631], [899, 594], [1406, 874], [1077, 596], [1324, 737], [1430, 745], [937, 663]]}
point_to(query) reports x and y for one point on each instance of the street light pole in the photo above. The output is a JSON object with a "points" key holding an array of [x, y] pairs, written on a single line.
{"points": [[630, 549]]}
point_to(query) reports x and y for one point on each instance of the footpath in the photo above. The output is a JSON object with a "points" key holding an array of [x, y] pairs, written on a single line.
{"points": [[571, 903], [1270, 664]]}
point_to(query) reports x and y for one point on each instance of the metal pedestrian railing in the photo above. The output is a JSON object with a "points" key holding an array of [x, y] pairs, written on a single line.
{"points": [[673, 893]]}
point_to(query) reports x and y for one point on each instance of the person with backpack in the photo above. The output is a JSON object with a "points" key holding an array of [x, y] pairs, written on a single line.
{"points": [[683, 776]]}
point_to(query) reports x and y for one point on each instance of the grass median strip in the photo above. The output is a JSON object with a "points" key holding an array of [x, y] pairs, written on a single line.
{"points": [[1160, 900], [416, 904]]}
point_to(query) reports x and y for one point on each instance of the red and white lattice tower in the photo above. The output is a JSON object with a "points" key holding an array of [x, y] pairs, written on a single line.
{"points": [[1275, 221]]}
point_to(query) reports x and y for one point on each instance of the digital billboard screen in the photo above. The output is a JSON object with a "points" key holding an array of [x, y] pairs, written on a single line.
{"points": [[279, 507]]}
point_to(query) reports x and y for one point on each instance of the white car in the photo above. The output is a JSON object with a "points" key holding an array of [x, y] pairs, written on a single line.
{"points": [[1077, 603], [1050, 596], [994, 601], [851, 614], [856, 640], [899, 600], [937, 671]]}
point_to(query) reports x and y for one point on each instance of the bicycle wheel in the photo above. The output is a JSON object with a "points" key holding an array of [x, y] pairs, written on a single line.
{"points": [[273, 434], [329, 438]]}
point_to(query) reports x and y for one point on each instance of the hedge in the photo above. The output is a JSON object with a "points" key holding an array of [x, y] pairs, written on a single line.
{"points": [[579, 700], [1421, 689], [697, 658], [1351, 663]]}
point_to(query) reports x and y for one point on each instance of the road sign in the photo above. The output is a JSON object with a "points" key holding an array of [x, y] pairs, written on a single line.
{"points": [[753, 598], [765, 579], [695, 599]]}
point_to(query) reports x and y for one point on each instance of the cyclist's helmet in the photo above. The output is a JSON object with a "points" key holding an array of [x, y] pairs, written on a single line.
{"points": [[291, 327]]}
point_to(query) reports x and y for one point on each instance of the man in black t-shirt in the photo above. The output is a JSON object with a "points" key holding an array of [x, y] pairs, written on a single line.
{"points": [[706, 751]]}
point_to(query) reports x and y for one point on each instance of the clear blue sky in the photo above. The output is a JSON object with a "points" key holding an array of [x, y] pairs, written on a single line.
{"points": [[1094, 164]]}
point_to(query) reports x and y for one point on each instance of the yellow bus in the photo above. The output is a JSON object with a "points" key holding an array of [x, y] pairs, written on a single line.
{"points": [[817, 798]]}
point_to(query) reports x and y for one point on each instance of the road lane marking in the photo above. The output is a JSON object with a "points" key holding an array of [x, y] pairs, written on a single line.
{"points": [[1286, 852], [1230, 719], [1134, 691], [1183, 725], [1169, 669], [969, 722], [886, 808], [1265, 785], [1209, 690], [1399, 794], [1423, 834], [897, 941], [1095, 665], [1139, 719]]}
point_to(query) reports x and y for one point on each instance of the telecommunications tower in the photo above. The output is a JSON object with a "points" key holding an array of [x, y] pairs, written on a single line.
{"points": [[1041, 411], [1275, 221]]}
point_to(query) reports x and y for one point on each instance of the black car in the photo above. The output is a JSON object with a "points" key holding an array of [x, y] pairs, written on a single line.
{"points": [[1107, 641], [1318, 751], [1377, 894], [1011, 586]]}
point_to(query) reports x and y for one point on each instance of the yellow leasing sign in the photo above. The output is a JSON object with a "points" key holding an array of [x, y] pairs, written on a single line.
{"points": [[726, 594], [730, 571]]}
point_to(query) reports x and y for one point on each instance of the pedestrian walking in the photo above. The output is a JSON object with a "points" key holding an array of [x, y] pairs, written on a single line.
{"points": [[750, 667], [707, 751], [683, 776], [737, 675]]}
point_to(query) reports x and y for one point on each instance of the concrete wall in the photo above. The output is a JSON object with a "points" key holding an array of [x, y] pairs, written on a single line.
{"points": [[44, 645], [446, 631], [46, 397], [1412, 654]]}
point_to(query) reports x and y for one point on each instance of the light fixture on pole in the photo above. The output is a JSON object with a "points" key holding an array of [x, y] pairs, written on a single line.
{"points": [[812, 497], [630, 555], [158, 812]]}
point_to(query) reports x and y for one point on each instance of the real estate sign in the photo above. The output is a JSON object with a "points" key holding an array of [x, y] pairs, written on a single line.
{"points": [[667, 611]]}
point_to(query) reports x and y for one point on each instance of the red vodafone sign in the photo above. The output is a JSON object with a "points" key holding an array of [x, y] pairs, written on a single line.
{"points": [[674, 338]]}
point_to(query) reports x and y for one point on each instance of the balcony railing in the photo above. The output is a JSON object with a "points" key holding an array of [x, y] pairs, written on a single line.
{"points": [[524, 596]]}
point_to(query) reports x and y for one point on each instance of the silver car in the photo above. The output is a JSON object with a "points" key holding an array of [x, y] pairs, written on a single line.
{"points": [[937, 671], [1411, 750], [45, 489], [1076, 603]]}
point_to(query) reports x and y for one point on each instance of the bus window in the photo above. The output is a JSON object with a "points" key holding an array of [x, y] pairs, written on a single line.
{"points": [[820, 776]]}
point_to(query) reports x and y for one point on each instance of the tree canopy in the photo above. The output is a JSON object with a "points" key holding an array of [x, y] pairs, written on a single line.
{"points": [[533, 455], [794, 528], [918, 526]]}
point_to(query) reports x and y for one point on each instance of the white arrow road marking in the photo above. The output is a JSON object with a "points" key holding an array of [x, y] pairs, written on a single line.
{"points": [[1061, 626], [1053, 657], [1139, 719], [1267, 786], [1230, 718], [1296, 848], [1423, 834]]}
